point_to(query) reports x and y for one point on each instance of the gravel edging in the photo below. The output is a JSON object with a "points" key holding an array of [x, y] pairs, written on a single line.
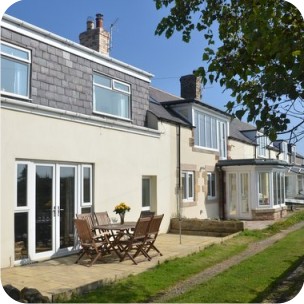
{"points": [[209, 273]]}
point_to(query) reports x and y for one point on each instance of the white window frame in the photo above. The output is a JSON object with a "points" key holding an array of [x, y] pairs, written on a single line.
{"points": [[284, 150], [211, 177], [262, 142], [18, 60], [146, 208], [188, 197], [82, 202], [113, 87]]}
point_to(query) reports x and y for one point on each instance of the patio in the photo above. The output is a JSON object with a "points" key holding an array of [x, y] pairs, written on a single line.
{"points": [[62, 277]]}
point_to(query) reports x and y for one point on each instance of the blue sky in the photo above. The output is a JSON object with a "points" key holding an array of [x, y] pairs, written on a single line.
{"points": [[133, 40]]}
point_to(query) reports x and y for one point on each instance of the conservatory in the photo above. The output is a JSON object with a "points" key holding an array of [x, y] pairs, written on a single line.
{"points": [[254, 189]]}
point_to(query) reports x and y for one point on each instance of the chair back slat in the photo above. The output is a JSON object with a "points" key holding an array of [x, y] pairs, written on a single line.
{"points": [[146, 213], [102, 218], [141, 227], [155, 224], [88, 217], [83, 230]]}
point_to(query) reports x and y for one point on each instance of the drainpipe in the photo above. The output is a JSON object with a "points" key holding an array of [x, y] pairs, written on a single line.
{"points": [[179, 186], [222, 193]]}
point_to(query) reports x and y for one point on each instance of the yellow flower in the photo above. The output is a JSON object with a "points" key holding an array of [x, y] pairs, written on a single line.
{"points": [[121, 208]]}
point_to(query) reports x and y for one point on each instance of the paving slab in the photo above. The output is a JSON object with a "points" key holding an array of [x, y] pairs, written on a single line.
{"points": [[61, 277]]}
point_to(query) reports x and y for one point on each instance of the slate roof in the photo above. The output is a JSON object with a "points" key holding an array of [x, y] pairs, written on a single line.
{"points": [[237, 129], [160, 111]]}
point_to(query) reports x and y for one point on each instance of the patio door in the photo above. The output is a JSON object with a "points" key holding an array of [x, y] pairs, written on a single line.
{"points": [[238, 198], [55, 204]]}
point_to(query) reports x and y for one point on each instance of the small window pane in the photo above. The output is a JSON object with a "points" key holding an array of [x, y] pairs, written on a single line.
{"points": [[21, 185], [87, 185], [146, 192], [102, 80], [11, 51], [264, 188], [21, 236], [121, 87]]}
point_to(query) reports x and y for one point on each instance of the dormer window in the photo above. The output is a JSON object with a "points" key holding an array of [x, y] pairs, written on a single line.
{"points": [[111, 97]]}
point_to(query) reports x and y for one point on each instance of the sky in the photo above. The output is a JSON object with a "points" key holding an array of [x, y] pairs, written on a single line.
{"points": [[133, 39]]}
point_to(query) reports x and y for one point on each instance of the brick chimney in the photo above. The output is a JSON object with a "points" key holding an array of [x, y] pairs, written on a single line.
{"points": [[96, 38], [191, 87]]}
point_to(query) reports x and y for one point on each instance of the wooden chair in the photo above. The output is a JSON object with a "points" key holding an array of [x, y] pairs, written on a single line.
{"points": [[102, 218], [91, 246], [153, 233], [146, 213], [88, 217], [135, 241]]}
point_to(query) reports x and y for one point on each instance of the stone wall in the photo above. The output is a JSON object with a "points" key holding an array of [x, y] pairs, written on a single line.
{"points": [[269, 214], [206, 227]]}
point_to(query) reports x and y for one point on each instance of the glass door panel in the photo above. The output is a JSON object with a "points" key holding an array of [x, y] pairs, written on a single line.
{"points": [[232, 198], [66, 209], [244, 193], [44, 208]]}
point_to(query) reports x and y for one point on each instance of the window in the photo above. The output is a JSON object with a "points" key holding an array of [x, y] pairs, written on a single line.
{"points": [[300, 179], [15, 70], [278, 188], [264, 188], [188, 185], [111, 97], [284, 150], [86, 185], [146, 193], [211, 186], [205, 131], [262, 142]]}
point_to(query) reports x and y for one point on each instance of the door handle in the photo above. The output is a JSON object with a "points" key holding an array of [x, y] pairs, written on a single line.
{"points": [[54, 211], [58, 210]]}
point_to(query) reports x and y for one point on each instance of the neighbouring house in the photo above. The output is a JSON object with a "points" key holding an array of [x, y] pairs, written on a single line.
{"points": [[257, 175], [82, 132]]}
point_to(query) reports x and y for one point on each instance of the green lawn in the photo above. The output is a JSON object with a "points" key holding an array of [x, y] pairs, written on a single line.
{"points": [[142, 287], [251, 280]]}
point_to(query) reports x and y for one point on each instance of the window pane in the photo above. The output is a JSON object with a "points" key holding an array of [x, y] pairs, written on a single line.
{"points": [[8, 50], [146, 192], [190, 184], [14, 77], [121, 86], [102, 80], [21, 236], [264, 188], [21, 185], [184, 183], [86, 185], [111, 102]]}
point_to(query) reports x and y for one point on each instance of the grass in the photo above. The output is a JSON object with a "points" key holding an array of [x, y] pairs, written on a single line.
{"points": [[142, 287], [253, 279]]}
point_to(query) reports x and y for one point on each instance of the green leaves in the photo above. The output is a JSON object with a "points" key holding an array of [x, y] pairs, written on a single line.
{"points": [[260, 60]]}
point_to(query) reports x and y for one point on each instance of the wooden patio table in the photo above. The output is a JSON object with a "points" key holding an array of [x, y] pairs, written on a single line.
{"points": [[116, 230]]}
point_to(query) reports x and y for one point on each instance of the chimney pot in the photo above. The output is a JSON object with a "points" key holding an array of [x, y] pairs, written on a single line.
{"points": [[90, 23], [99, 20]]}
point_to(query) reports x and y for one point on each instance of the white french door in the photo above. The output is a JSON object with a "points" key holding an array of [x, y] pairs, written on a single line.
{"points": [[54, 207], [238, 200]]}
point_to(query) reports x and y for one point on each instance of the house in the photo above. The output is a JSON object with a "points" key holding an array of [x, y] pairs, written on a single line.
{"points": [[82, 131], [256, 175], [200, 144], [73, 139]]}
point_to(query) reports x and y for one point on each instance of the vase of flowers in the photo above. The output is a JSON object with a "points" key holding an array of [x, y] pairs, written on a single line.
{"points": [[121, 209]]}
